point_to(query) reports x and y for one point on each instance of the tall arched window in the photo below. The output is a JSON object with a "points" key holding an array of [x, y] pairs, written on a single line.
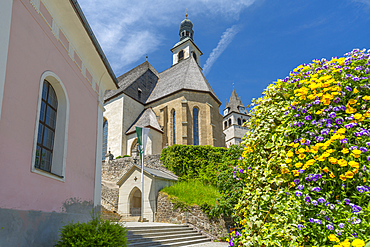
{"points": [[225, 124], [195, 126], [239, 121], [181, 55], [105, 138], [229, 122], [47, 123], [195, 56], [174, 127]]}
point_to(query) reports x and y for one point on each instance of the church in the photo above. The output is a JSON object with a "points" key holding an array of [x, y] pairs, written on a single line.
{"points": [[178, 105]]}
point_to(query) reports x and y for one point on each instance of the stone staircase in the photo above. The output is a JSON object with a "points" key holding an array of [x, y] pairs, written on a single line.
{"points": [[167, 235]]}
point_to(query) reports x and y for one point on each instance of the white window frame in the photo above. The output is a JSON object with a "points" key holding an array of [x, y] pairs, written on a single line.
{"points": [[59, 159]]}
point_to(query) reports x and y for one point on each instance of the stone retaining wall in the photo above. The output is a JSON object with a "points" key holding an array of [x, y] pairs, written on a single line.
{"points": [[213, 228]]}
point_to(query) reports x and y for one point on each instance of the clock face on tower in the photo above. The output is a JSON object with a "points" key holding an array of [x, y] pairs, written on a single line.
{"points": [[241, 109], [226, 111]]}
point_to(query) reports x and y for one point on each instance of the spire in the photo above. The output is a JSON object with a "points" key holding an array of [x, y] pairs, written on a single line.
{"points": [[235, 104], [186, 28]]}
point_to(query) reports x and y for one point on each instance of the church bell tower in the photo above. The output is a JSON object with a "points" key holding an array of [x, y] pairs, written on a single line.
{"points": [[186, 46]]}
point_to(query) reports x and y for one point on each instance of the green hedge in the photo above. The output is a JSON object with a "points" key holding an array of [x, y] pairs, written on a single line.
{"points": [[194, 162]]}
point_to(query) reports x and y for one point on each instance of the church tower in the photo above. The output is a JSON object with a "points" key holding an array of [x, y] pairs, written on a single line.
{"points": [[186, 46], [234, 117]]}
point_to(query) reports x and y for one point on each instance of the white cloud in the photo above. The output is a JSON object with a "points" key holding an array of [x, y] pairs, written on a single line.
{"points": [[363, 1], [126, 29], [225, 40]]}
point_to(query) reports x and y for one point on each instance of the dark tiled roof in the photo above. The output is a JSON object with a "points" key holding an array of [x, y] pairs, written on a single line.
{"points": [[143, 76], [184, 75], [234, 102], [146, 119]]}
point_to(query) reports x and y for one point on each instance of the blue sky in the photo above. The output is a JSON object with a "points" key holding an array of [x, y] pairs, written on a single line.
{"points": [[249, 42]]}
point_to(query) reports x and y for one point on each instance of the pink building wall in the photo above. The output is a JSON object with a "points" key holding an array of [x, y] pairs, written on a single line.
{"points": [[33, 49]]}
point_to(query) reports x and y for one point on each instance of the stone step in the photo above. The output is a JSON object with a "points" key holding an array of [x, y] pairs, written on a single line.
{"points": [[153, 234], [138, 230], [155, 237], [178, 241]]}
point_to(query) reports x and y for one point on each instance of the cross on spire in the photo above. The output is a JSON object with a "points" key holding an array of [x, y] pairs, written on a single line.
{"points": [[186, 13]]}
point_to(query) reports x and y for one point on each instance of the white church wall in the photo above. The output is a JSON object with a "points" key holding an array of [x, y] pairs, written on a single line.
{"points": [[114, 115], [154, 142]]}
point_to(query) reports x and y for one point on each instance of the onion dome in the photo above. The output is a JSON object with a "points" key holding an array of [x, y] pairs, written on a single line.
{"points": [[186, 29]]}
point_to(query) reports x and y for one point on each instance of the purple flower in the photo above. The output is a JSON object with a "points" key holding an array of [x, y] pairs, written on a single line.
{"points": [[319, 138], [345, 140], [341, 225], [332, 115], [296, 115], [348, 126], [296, 181], [349, 89], [364, 168], [312, 220], [347, 201], [368, 158], [353, 148], [298, 193], [317, 221], [317, 189], [363, 149], [308, 117], [286, 113], [301, 171], [330, 227], [300, 187], [307, 199], [325, 132], [368, 143], [314, 122], [300, 226], [314, 202], [339, 120], [362, 189], [316, 102], [336, 100], [336, 109], [321, 200], [241, 170], [354, 234]]}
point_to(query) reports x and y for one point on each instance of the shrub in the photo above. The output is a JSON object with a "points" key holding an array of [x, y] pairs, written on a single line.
{"points": [[193, 162], [93, 233], [306, 159]]}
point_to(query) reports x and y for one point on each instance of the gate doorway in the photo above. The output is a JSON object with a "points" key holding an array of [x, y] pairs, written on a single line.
{"points": [[135, 202]]}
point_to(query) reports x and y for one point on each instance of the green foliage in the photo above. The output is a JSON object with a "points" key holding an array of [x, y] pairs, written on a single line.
{"points": [[126, 155], [93, 233], [193, 192], [308, 154], [194, 162]]}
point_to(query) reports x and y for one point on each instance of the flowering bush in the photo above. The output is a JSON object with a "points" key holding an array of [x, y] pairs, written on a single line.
{"points": [[306, 159]]}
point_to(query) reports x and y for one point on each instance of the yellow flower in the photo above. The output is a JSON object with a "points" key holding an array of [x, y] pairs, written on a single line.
{"points": [[332, 175], [357, 116], [343, 177], [354, 164], [292, 184], [333, 160], [295, 173], [288, 160], [333, 238], [342, 162], [296, 145], [314, 149], [326, 154], [367, 97], [345, 243], [350, 110], [352, 101], [303, 140], [301, 150], [349, 174], [298, 165], [358, 243], [326, 169], [355, 90], [301, 156], [345, 151], [284, 170], [290, 154], [342, 130]]}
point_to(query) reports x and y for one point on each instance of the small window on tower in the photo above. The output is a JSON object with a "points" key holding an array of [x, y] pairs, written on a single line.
{"points": [[195, 56], [187, 33], [181, 55]]}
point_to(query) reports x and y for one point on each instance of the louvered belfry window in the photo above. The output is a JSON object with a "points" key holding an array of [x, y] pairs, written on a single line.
{"points": [[181, 55], [47, 124]]}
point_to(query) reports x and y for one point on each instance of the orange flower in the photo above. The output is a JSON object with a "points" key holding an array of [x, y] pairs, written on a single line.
{"points": [[349, 174], [332, 175], [343, 177], [295, 173], [326, 169]]}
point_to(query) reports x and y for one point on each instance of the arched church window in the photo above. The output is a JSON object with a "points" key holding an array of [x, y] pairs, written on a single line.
{"points": [[239, 121], [105, 138], [181, 55], [244, 121], [187, 33], [229, 122], [195, 126], [174, 127], [47, 123], [225, 124]]}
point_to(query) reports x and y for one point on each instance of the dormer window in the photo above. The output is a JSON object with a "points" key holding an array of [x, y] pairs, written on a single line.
{"points": [[181, 55], [241, 109], [226, 111]]}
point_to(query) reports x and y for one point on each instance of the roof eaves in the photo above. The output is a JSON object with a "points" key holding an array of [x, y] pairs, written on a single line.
{"points": [[95, 42]]}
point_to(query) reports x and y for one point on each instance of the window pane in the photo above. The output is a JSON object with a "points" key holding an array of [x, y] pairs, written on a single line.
{"points": [[174, 127], [52, 99], [48, 138], [42, 111], [45, 90], [37, 158], [105, 139], [39, 134], [45, 160], [195, 127], [51, 116]]}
